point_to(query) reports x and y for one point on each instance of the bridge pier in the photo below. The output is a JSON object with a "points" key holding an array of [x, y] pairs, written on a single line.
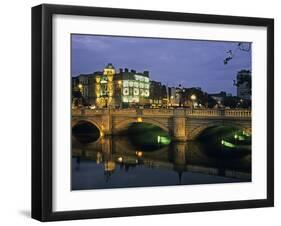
{"points": [[179, 131], [106, 123]]}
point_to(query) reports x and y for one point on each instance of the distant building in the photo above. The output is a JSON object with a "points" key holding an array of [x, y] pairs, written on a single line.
{"points": [[80, 90], [112, 88], [173, 96], [244, 84], [219, 97], [135, 87], [181, 96], [158, 94]]}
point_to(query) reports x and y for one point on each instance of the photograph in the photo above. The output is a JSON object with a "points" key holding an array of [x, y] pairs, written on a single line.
{"points": [[145, 112], [150, 111]]}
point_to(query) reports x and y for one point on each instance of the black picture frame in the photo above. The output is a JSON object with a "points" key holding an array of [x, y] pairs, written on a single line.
{"points": [[42, 111]]}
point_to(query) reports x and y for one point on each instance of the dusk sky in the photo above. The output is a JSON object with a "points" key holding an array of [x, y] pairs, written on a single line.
{"points": [[171, 61]]}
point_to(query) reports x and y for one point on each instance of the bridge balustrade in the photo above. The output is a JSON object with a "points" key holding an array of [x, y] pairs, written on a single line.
{"points": [[157, 112], [204, 112], [123, 111], [76, 112], [219, 112], [93, 111], [238, 113], [235, 113]]}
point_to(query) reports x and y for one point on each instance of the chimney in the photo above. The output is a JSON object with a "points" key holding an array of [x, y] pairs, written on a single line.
{"points": [[146, 73]]}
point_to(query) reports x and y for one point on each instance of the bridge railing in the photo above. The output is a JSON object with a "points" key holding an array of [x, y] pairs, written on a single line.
{"points": [[88, 112], [203, 112], [76, 112], [123, 111], [93, 111], [157, 111], [235, 113], [238, 113]]}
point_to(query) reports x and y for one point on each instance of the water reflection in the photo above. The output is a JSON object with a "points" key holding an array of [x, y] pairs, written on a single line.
{"points": [[115, 162]]}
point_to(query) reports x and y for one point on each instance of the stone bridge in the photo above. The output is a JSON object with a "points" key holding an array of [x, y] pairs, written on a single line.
{"points": [[181, 124]]}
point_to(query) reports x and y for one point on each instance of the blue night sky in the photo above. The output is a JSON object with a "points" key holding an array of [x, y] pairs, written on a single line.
{"points": [[192, 63]]}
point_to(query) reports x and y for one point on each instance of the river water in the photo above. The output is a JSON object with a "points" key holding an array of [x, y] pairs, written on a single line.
{"points": [[118, 162]]}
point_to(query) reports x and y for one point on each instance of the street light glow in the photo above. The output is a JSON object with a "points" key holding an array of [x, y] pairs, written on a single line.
{"points": [[193, 97], [120, 159], [139, 153]]}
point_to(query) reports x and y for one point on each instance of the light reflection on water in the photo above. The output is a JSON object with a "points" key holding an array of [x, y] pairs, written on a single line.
{"points": [[114, 162]]}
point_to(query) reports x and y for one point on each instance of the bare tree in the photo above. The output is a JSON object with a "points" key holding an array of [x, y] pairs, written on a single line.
{"points": [[241, 46]]}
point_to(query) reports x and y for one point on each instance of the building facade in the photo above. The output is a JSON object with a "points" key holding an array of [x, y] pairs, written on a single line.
{"points": [[244, 84], [158, 94], [110, 88], [104, 87]]}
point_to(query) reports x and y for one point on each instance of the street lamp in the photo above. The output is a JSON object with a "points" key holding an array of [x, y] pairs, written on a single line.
{"points": [[193, 98], [80, 87]]}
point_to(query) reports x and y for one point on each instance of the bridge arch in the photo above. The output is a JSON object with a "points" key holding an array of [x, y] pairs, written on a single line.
{"points": [[76, 121], [195, 131], [124, 124]]}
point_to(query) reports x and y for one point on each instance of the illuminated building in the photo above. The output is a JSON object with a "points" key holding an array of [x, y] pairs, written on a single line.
{"points": [[110, 88], [104, 87], [135, 87]]}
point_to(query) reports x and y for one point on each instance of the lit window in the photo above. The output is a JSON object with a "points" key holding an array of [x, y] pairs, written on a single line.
{"points": [[125, 83], [138, 77], [136, 84], [125, 99], [136, 92], [146, 93], [126, 91]]}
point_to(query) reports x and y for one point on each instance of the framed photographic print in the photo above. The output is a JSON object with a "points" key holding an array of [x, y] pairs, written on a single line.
{"points": [[145, 112]]}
